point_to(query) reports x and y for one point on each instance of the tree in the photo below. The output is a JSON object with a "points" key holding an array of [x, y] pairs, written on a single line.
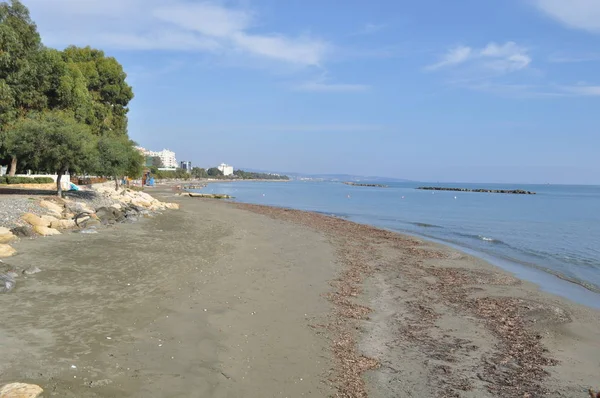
{"points": [[198, 172], [117, 157], [157, 162], [20, 43], [109, 91], [67, 145], [214, 172]]}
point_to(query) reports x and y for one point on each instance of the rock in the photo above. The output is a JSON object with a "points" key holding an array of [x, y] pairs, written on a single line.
{"points": [[6, 235], [21, 390], [7, 283], [91, 222], [53, 207], [6, 250], [141, 203], [31, 270], [63, 224], [34, 220], [116, 206], [172, 206], [78, 207], [45, 231], [23, 232], [49, 219], [109, 215]]}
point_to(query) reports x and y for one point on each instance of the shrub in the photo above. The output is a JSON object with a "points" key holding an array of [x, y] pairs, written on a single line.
{"points": [[25, 180], [43, 180]]}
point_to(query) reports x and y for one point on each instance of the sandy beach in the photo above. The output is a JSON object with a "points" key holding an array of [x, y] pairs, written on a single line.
{"points": [[229, 300]]}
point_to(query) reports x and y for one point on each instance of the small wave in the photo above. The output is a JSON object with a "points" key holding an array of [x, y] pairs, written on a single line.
{"points": [[329, 214], [483, 238], [425, 225]]}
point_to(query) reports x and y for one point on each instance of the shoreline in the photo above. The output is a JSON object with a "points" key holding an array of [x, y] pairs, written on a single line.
{"points": [[558, 284], [263, 301], [529, 325]]}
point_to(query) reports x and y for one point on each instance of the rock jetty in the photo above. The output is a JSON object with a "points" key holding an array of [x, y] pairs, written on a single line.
{"points": [[206, 195], [508, 191], [357, 184]]}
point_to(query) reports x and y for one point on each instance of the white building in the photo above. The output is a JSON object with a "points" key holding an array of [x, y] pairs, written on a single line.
{"points": [[226, 169], [166, 156]]}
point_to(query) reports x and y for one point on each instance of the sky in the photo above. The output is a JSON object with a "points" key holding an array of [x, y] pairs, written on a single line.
{"points": [[428, 90]]}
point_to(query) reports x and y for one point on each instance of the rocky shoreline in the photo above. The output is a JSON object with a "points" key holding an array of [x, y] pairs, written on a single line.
{"points": [[79, 212]]}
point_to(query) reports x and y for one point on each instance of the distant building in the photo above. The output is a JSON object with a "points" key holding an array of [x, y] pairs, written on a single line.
{"points": [[187, 166], [226, 169], [166, 156]]}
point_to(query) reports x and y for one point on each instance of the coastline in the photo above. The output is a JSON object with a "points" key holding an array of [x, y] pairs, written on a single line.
{"points": [[428, 310], [226, 298]]}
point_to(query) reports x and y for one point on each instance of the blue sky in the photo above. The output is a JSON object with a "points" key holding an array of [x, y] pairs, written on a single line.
{"points": [[430, 90]]}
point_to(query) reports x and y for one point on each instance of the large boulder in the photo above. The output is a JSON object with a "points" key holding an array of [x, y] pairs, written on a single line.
{"points": [[141, 203], [34, 220], [53, 207], [21, 390], [6, 235], [49, 219], [109, 215], [78, 207], [63, 224], [6, 250], [45, 231]]}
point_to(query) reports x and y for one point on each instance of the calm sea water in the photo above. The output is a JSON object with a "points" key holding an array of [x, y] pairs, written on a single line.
{"points": [[557, 230]]}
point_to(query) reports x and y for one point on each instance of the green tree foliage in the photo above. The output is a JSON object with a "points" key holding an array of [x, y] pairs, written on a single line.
{"points": [[157, 162], [214, 172], [118, 157], [245, 175], [198, 172], [20, 44], [61, 110], [107, 86], [67, 145], [179, 174]]}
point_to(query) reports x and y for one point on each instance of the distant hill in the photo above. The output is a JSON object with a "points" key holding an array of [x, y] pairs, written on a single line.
{"points": [[331, 177]]}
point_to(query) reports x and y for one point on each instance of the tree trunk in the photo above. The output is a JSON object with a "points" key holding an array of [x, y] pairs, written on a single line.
{"points": [[13, 167], [116, 183], [58, 185]]}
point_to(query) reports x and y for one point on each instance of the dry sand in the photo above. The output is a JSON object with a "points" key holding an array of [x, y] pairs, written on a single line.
{"points": [[222, 300]]}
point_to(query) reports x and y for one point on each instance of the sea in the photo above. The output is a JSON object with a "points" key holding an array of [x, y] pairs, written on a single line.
{"points": [[551, 238]]}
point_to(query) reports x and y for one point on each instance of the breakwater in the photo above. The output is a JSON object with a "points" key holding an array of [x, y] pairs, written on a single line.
{"points": [[357, 184], [507, 191]]}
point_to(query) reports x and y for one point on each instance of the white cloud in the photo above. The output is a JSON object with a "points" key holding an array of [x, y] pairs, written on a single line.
{"points": [[503, 58], [335, 88], [169, 25], [578, 14], [454, 56], [573, 58], [582, 90]]}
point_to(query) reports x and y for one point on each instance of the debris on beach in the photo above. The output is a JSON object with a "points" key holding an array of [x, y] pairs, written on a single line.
{"points": [[515, 368]]}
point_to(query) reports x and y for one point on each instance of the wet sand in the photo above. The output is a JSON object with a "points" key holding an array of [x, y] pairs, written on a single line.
{"points": [[226, 300]]}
